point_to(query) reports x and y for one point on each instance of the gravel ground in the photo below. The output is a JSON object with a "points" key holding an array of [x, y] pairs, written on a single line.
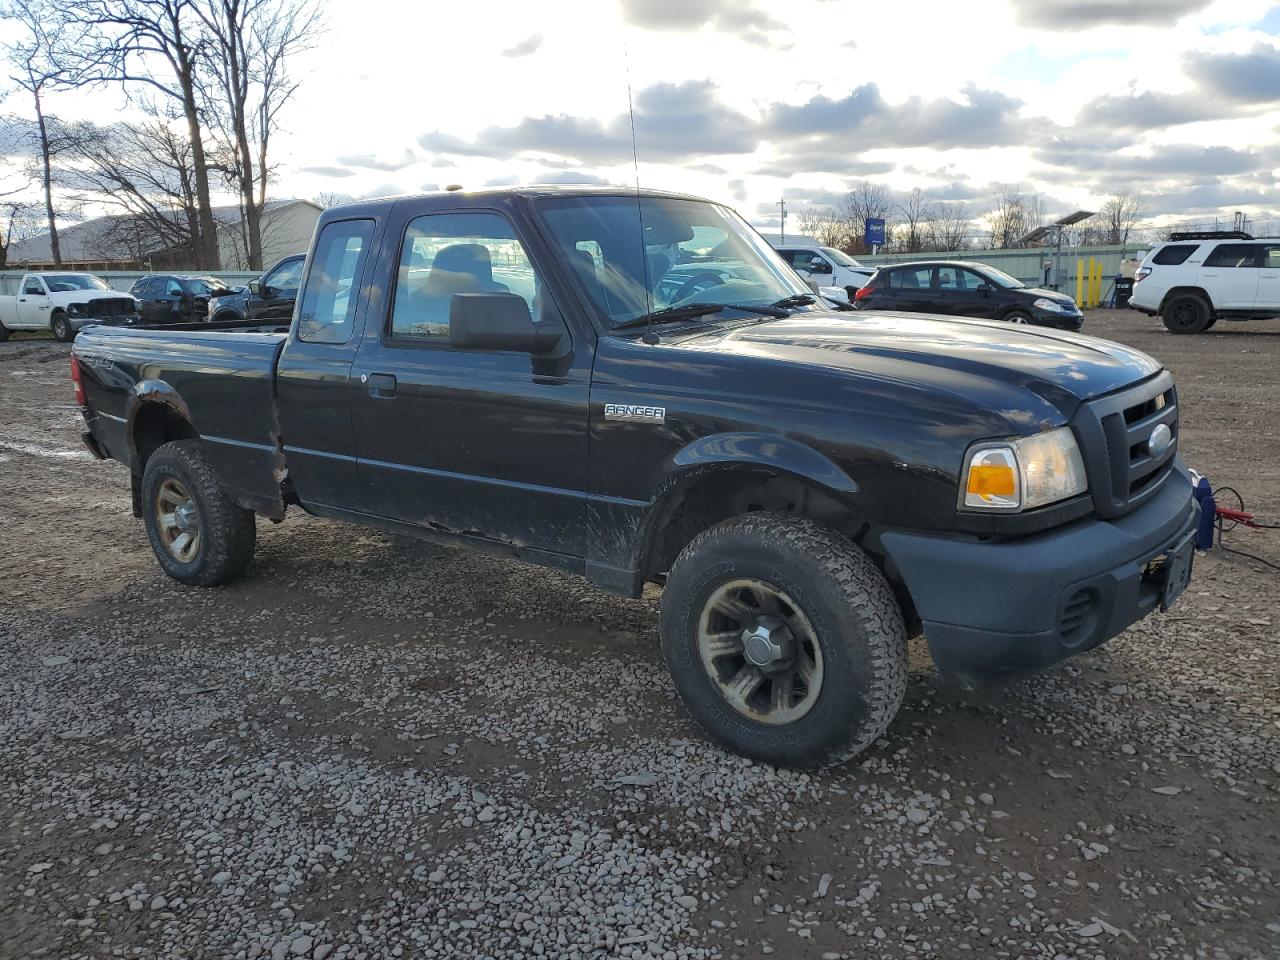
{"points": [[372, 747]]}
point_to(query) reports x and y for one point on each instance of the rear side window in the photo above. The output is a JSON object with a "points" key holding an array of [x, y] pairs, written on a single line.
{"points": [[1233, 255], [916, 278], [1173, 255], [327, 311]]}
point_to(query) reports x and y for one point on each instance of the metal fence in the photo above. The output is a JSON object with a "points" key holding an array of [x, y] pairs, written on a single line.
{"points": [[10, 280], [1027, 264]]}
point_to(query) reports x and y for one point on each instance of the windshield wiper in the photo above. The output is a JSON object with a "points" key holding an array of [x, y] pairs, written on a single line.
{"points": [[795, 300], [687, 311]]}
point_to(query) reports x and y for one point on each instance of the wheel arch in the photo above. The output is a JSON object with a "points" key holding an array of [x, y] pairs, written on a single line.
{"points": [[156, 415], [1187, 290], [725, 475]]}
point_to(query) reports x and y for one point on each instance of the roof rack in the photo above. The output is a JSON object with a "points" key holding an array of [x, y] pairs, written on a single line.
{"points": [[1211, 235]]}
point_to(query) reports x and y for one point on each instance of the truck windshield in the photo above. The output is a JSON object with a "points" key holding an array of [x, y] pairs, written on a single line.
{"points": [[693, 251], [840, 257], [62, 282]]}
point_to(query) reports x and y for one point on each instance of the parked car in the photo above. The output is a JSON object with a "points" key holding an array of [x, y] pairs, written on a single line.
{"points": [[809, 491], [958, 288], [826, 266], [64, 303], [1196, 279], [169, 298], [271, 297]]}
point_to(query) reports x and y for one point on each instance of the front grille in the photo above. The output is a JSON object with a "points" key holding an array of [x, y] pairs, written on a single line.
{"points": [[1115, 436]]}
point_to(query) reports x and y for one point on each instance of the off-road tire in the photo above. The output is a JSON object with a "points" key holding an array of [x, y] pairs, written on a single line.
{"points": [[60, 328], [856, 619], [228, 532], [1017, 316], [1186, 313]]}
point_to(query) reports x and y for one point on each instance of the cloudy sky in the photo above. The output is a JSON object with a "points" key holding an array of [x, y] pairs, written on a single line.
{"points": [[747, 101]]}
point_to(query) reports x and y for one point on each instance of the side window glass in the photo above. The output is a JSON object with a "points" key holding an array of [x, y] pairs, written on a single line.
{"points": [[917, 279], [1174, 255], [327, 312], [32, 286], [284, 278], [1233, 255], [949, 278], [173, 289], [1271, 257], [450, 253]]}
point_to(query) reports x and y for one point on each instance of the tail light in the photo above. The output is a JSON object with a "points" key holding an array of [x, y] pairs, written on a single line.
{"points": [[863, 292], [1142, 274], [75, 378]]}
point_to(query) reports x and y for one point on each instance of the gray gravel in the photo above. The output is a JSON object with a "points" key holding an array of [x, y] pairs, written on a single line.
{"points": [[380, 748]]}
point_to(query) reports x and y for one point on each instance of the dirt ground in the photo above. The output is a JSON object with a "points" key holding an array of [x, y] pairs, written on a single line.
{"points": [[372, 747]]}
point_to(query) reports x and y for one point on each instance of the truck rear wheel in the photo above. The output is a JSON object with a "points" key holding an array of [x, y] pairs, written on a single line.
{"points": [[4, 333], [198, 534], [785, 640], [1187, 313]]}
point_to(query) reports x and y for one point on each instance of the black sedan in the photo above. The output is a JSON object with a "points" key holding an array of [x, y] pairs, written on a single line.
{"points": [[963, 289], [170, 298]]}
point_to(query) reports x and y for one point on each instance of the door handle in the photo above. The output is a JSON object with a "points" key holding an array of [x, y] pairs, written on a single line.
{"points": [[381, 385]]}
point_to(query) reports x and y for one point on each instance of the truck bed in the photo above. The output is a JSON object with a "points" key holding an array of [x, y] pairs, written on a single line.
{"points": [[218, 377]]}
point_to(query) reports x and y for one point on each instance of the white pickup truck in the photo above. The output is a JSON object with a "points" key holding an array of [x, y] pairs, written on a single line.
{"points": [[63, 303]]}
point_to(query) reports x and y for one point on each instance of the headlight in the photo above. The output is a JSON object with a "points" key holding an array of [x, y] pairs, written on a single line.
{"points": [[1024, 474], [1051, 305]]}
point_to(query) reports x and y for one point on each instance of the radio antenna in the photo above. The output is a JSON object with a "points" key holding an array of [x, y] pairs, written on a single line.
{"points": [[649, 336]]}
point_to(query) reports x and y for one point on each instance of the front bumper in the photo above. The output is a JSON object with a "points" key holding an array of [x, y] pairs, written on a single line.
{"points": [[78, 323], [994, 609], [1059, 321]]}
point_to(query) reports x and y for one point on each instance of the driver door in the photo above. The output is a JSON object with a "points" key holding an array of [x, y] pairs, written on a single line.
{"points": [[33, 304], [483, 443]]}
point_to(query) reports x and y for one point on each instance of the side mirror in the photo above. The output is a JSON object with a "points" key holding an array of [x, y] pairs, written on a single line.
{"points": [[255, 287], [985, 288], [818, 265], [500, 321]]}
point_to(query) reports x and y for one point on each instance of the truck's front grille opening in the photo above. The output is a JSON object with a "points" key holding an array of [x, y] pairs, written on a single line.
{"points": [[1130, 440]]}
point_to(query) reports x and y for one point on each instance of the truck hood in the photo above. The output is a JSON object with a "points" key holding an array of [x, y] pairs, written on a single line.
{"points": [[949, 353]]}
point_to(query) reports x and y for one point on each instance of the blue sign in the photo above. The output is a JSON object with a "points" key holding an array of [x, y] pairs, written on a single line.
{"points": [[875, 231]]}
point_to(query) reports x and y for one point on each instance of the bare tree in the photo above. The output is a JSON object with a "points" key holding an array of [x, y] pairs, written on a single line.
{"points": [[825, 226], [1121, 216], [949, 227], [30, 57], [19, 220], [144, 174], [1013, 215], [156, 45], [916, 213], [865, 201], [250, 46], [331, 198]]}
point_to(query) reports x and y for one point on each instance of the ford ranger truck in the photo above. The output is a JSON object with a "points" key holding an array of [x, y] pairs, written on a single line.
{"points": [[637, 389]]}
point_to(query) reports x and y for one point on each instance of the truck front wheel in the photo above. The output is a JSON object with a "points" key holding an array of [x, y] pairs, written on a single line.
{"points": [[198, 534], [785, 640], [61, 328]]}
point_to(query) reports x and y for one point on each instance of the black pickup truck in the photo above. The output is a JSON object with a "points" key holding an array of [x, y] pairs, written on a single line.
{"points": [[635, 388]]}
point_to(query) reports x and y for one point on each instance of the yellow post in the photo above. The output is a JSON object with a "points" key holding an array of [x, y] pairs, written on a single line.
{"points": [[1080, 282], [1097, 284]]}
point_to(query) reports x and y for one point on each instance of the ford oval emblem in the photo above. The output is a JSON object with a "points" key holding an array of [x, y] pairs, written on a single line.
{"points": [[1160, 441]]}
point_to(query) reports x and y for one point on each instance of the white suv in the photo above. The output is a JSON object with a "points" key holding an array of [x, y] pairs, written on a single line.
{"points": [[1196, 279]]}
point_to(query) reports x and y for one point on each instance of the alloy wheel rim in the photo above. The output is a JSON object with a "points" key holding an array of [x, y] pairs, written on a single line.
{"points": [[178, 520], [760, 651]]}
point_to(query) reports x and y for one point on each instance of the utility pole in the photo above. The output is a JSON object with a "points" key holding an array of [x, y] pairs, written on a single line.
{"points": [[782, 226]]}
